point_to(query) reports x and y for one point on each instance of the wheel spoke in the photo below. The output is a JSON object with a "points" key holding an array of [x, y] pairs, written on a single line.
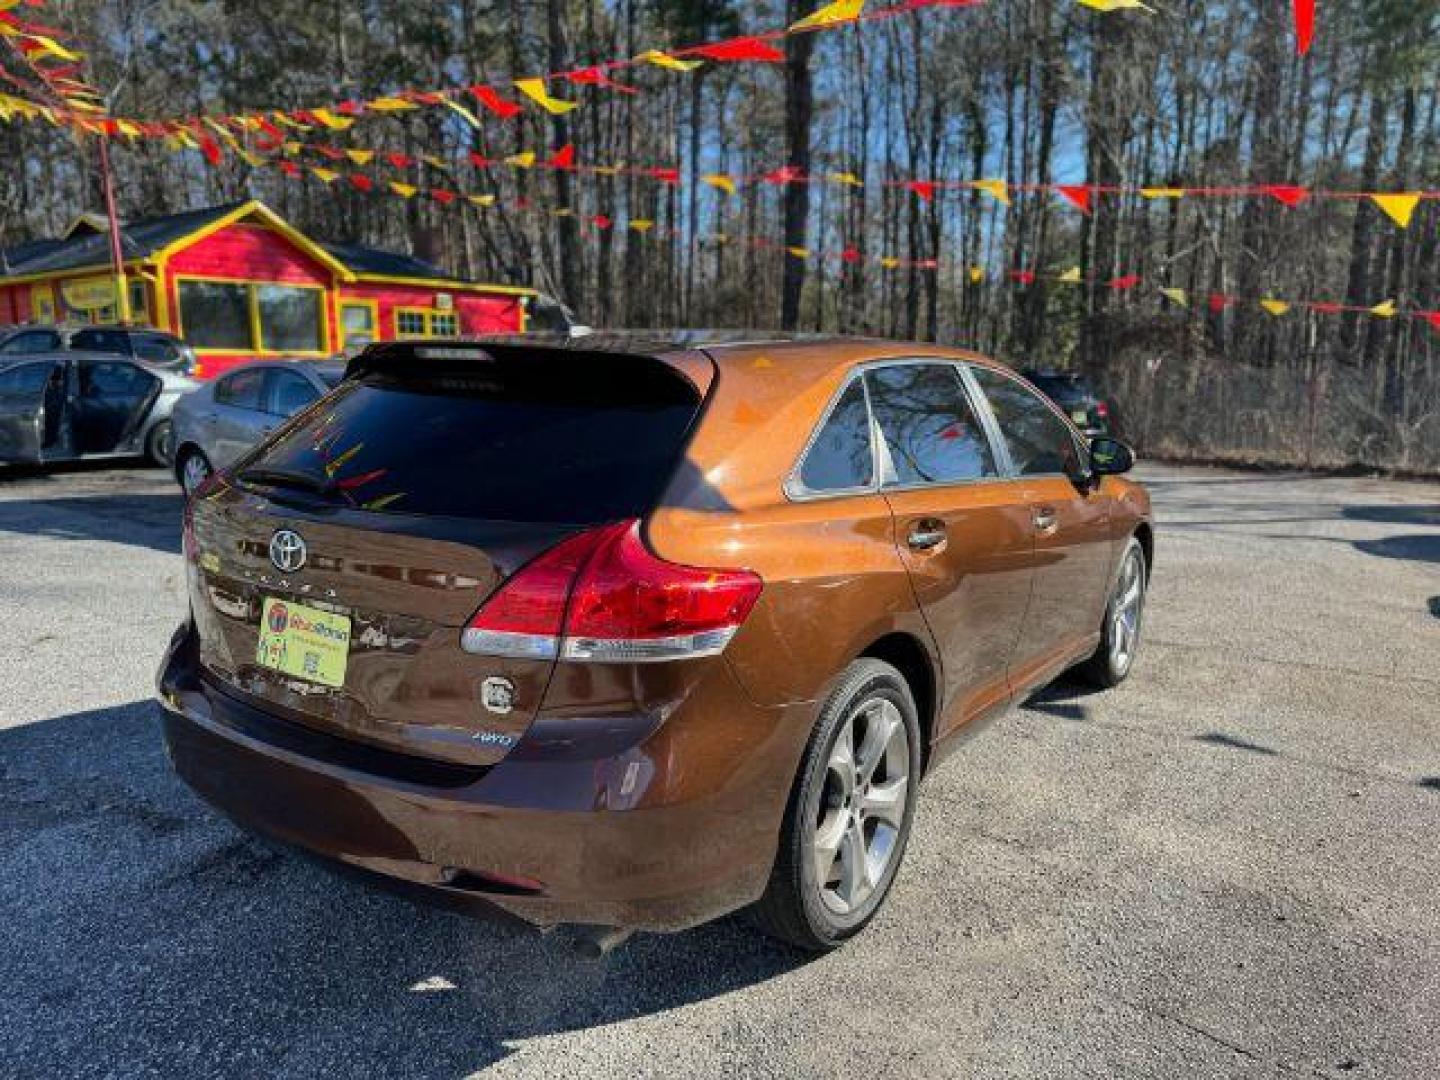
{"points": [[887, 802], [883, 725], [828, 838], [855, 881]]}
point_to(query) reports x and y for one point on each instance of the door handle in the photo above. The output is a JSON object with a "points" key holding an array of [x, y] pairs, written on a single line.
{"points": [[926, 535], [1045, 520]]}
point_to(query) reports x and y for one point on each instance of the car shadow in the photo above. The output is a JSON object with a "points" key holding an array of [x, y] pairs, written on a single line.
{"points": [[1063, 699], [149, 520], [145, 934]]}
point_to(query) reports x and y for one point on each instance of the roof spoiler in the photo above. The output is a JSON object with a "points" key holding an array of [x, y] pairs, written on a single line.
{"points": [[399, 357]]}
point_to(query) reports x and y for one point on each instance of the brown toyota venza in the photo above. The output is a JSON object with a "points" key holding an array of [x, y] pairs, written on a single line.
{"points": [[632, 633]]}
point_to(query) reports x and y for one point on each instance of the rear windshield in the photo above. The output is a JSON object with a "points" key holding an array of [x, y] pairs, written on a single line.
{"points": [[534, 437]]}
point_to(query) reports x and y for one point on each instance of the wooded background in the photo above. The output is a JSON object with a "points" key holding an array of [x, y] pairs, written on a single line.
{"points": [[1202, 93]]}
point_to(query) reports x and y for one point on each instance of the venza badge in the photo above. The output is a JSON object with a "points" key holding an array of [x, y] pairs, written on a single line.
{"points": [[287, 551]]}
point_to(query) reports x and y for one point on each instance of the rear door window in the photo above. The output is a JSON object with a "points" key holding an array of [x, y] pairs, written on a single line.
{"points": [[24, 380], [287, 392], [242, 390], [31, 341], [931, 432], [842, 457], [527, 435], [107, 341]]}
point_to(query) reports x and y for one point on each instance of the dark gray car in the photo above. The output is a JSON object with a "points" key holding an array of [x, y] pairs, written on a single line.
{"points": [[66, 405], [224, 418]]}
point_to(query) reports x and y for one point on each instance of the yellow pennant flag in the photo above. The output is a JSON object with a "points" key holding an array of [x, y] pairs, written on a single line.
{"points": [[1163, 192], [390, 104], [331, 120], [668, 62], [534, 89], [51, 47], [846, 178], [435, 162], [641, 225], [1176, 296], [889, 262], [255, 161], [562, 211], [1400, 208], [977, 275], [798, 252], [606, 170], [996, 189], [1386, 309], [329, 176], [841, 11], [361, 157], [1116, 5], [468, 116], [481, 200], [522, 160], [720, 181], [405, 191], [1071, 276], [128, 128], [1275, 307], [287, 121]]}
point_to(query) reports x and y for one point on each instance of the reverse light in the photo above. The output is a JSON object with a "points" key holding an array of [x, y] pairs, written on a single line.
{"points": [[602, 596]]}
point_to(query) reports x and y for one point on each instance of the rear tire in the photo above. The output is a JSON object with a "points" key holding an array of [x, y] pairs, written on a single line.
{"points": [[1124, 619], [849, 814], [160, 444]]}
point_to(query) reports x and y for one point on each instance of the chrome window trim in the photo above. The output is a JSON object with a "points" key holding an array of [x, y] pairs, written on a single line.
{"points": [[1082, 445], [796, 489]]}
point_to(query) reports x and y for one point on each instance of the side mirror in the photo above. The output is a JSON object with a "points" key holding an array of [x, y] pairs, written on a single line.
{"points": [[1111, 457]]}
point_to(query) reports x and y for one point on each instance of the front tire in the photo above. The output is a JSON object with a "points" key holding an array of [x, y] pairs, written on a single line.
{"points": [[1124, 619], [849, 814], [160, 444], [194, 470]]}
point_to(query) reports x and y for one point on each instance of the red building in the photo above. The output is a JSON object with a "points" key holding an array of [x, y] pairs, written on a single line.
{"points": [[238, 282]]}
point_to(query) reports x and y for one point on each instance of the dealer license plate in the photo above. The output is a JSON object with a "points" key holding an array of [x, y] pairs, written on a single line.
{"points": [[303, 641]]}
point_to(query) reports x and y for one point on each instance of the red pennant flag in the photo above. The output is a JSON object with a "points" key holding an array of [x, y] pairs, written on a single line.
{"points": [[1080, 196], [1432, 317], [787, 174], [665, 176], [289, 168], [923, 188], [1129, 281], [594, 76], [750, 48], [1327, 307], [564, 158], [400, 161], [1219, 302], [927, 264], [443, 197], [494, 102], [1304, 25], [600, 221], [1024, 277], [850, 255], [350, 108], [270, 129], [361, 182], [210, 148], [1288, 194], [425, 97], [334, 153]]}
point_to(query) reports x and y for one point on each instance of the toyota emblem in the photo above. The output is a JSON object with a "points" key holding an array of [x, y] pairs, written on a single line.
{"points": [[287, 551]]}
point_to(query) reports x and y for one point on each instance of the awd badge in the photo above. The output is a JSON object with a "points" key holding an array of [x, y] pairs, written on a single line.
{"points": [[497, 694]]}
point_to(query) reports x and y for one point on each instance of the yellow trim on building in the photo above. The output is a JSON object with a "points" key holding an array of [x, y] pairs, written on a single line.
{"points": [[272, 221], [427, 318], [373, 306], [447, 286]]}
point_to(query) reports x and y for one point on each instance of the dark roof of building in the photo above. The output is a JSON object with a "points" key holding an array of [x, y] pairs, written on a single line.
{"points": [[137, 240], [367, 260]]}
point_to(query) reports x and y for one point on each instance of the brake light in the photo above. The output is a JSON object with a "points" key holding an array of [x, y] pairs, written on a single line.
{"points": [[1102, 409], [602, 596]]}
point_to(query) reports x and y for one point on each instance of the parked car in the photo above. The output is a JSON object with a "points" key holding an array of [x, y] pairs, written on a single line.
{"points": [[68, 405], [611, 632], [1076, 394], [138, 343], [226, 417]]}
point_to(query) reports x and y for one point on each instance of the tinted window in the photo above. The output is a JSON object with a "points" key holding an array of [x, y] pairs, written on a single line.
{"points": [[111, 341], [288, 393], [215, 315], [529, 436], [841, 457], [289, 318], [26, 379], [1039, 441], [930, 430], [32, 341], [1065, 389], [117, 380], [157, 350], [242, 389]]}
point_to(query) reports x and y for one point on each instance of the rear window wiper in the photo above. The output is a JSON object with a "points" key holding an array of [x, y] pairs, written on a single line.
{"points": [[289, 478]]}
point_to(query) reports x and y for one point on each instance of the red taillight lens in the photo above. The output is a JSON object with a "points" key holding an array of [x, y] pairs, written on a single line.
{"points": [[1102, 410], [602, 596]]}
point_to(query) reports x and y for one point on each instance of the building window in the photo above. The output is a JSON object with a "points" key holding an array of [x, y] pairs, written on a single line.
{"points": [[425, 323], [252, 317], [357, 321], [216, 315]]}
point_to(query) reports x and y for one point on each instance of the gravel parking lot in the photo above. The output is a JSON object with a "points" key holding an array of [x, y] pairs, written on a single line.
{"points": [[1226, 868]]}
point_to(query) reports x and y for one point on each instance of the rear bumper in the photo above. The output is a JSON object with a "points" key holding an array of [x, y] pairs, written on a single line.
{"points": [[592, 829]]}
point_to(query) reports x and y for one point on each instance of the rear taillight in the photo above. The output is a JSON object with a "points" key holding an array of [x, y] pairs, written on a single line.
{"points": [[1102, 410], [602, 596]]}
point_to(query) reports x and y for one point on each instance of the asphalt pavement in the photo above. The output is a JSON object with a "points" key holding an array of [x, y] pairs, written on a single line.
{"points": [[1227, 867]]}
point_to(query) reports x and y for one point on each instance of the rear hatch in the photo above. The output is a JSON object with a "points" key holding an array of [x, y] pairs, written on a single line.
{"points": [[333, 570]]}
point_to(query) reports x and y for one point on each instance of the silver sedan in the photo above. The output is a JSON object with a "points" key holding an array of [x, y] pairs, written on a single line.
{"points": [[62, 406], [224, 418]]}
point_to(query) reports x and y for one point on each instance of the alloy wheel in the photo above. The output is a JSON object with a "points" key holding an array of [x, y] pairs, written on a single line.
{"points": [[194, 472], [1126, 613], [862, 805]]}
